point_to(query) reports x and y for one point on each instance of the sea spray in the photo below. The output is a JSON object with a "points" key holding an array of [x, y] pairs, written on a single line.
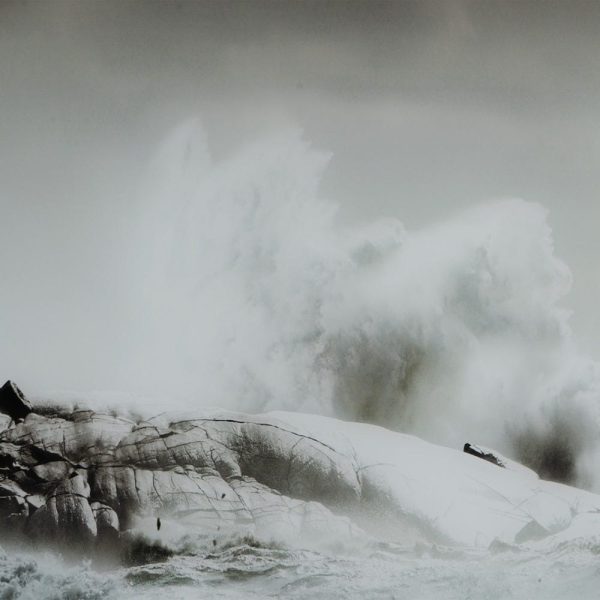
{"points": [[248, 294], [40, 576]]}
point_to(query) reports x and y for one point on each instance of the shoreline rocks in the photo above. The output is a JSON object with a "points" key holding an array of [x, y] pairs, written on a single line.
{"points": [[90, 484], [80, 483]]}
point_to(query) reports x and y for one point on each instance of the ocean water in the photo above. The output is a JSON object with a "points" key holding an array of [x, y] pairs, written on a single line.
{"points": [[379, 571]]}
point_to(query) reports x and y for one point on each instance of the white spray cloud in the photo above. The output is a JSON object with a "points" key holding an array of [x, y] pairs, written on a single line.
{"points": [[253, 298]]}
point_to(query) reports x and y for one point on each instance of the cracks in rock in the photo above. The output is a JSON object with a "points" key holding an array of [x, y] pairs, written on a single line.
{"points": [[75, 494], [157, 476], [261, 424]]}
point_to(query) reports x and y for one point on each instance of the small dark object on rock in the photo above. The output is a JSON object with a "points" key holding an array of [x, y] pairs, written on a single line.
{"points": [[214, 542], [479, 453], [13, 402], [158, 524], [222, 495]]}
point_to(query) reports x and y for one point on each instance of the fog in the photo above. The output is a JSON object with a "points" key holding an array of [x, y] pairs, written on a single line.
{"points": [[269, 205]]}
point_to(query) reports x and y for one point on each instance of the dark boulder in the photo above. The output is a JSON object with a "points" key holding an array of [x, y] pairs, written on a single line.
{"points": [[13, 402], [483, 454]]}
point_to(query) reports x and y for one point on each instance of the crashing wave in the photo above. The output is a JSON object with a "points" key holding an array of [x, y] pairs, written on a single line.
{"points": [[254, 298]]}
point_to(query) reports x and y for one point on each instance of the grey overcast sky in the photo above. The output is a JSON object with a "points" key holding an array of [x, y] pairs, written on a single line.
{"points": [[426, 106]]}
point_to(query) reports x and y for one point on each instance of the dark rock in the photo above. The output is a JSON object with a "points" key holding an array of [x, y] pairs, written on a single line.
{"points": [[13, 402], [480, 453]]}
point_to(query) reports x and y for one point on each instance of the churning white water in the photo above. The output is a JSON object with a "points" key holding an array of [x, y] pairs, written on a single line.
{"points": [[382, 572]]}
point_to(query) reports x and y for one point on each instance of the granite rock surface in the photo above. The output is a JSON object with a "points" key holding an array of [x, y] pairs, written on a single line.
{"points": [[77, 481], [82, 480]]}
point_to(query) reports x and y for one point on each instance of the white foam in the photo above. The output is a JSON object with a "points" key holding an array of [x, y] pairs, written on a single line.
{"points": [[254, 299]]}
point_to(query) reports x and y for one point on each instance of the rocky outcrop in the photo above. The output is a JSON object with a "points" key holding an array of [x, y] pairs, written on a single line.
{"points": [[13, 402], [79, 482], [87, 481], [483, 454]]}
